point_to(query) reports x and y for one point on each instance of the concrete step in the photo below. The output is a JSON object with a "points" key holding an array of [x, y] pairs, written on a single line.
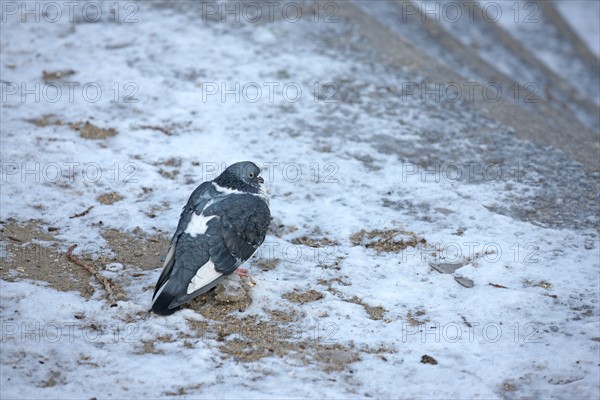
{"points": [[438, 57], [574, 59], [477, 48]]}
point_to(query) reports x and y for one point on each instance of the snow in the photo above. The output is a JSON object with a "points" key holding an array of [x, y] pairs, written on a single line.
{"points": [[582, 16], [539, 342]]}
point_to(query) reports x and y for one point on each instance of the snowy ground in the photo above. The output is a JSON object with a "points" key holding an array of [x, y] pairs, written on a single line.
{"points": [[418, 248]]}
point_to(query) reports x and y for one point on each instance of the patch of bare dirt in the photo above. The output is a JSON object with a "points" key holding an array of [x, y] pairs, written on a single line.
{"points": [[250, 339], [509, 386], [172, 167], [24, 254], [172, 162], [330, 263], [54, 375], [109, 198], [389, 240], [254, 339], [303, 297], [183, 390], [375, 312], [247, 338], [314, 242], [148, 347], [336, 357], [266, 264], [137, 248], [329, 282], [288, 316], [279, 229], [45, 120], [417, 318], [542, 284], [87, 130], [31, 251], [157, 208], [50, 76], [169, 174]]}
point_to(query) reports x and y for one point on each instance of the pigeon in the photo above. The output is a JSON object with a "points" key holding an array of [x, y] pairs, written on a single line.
{"points": [[221, 226]]}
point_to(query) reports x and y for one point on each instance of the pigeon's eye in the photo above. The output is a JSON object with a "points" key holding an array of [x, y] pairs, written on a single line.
{"points": [[251, 174]]}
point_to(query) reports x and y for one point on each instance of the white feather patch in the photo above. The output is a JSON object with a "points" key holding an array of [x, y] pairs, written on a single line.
{"points": [[205, 275], [198, 225], [262, 191], [225, 190], [170, 255], [157, 295]]}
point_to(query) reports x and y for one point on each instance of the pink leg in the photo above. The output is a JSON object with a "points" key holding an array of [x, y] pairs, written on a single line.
{"points": [[243, 272]]}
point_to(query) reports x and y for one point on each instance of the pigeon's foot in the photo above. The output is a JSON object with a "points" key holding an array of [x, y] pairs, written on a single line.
{"points": [[243, 272]]}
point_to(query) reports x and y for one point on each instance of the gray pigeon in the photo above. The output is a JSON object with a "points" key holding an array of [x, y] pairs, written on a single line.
{"points": [[221, 226]]}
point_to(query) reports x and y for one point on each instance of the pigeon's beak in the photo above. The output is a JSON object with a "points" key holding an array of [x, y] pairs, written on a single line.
{"points": [[260, 179]]}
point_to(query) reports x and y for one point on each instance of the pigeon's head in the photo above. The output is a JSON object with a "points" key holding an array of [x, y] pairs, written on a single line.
{"points": [[243, 176]]}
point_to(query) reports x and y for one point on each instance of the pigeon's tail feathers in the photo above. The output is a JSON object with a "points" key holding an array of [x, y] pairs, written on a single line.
{"points": [[164, 293], [166, 272], [177, 286], [172, 295], [162, 302]]}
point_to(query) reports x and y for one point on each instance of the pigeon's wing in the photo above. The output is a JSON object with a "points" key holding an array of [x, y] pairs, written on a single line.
{"points": [[242, 226], [200, 198]]}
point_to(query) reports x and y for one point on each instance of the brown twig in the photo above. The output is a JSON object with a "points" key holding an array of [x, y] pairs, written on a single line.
{"points": [[81, 214], [107, 283], [498, 286], [504, 287], [157, 128]]}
